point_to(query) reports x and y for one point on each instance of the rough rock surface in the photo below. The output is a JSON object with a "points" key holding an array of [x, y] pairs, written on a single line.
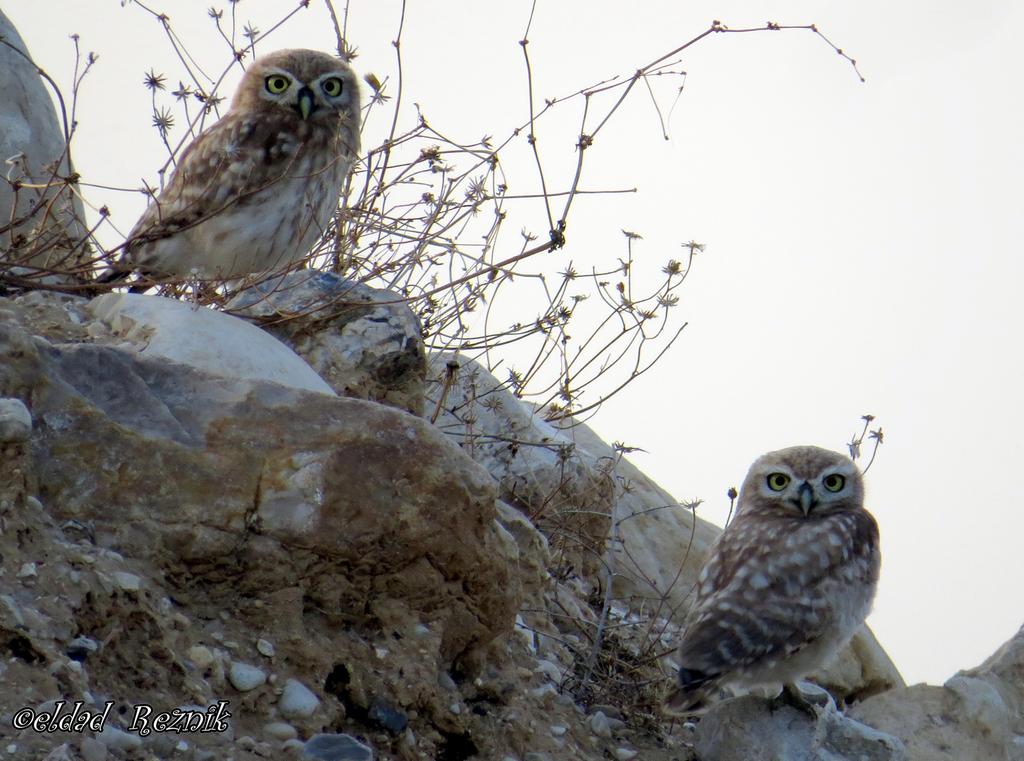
{"points": [[262, 486], [364, 342], [32, 146], [345, 581], [977, 714], [211, 341], [753, 729]]}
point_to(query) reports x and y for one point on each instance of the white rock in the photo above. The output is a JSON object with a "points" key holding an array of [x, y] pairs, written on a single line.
{"points": [[200, 656], [293, 747], [625, 754], [127, 581], [558, 730], [265, 648], [280, 730], [550, 670], [15, 421], [116, 739], [92, 749], [600, 725], [27, 570], [544, 690], [208, 340], [297, 701], [455, 708], [244, 677]]}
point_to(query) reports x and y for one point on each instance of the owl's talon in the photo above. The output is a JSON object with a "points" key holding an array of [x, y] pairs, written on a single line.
{"points": [[792, 697]]}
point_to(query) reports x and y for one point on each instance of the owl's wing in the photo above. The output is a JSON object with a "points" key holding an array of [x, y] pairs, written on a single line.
{"points": [[757, 600], [227, 163]]}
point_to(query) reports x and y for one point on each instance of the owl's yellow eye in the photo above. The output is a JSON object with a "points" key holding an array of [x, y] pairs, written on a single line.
{"points": [[277, 83], [332, 87], [834, 482], [777, 481]]}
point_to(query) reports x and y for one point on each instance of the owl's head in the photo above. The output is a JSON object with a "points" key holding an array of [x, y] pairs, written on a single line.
{"points": [[309, 85], [804, 481]]}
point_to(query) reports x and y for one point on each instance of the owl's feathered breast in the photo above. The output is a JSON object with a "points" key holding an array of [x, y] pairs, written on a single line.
{"points": [[235, 187], [773, 585]]}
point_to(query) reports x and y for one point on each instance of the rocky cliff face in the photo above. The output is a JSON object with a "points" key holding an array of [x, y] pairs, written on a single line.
{"points": [[352, 579]]}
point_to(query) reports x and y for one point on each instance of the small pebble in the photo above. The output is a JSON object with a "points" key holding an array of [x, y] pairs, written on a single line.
{"points": [[600, 725], [280, 730], [81, 647], [385, 715], [246, 743], [129, 582], [116, 739], [244, 677], [297, 702], [544, 690], [92, 749], [15, 421], [455, 708], [625, 754], [445, 681], [610, 711], [200, 656], [336, 748], [550, 670], [293, 747], [60, 753], [558, 730], [265, 647], [27, 570]]}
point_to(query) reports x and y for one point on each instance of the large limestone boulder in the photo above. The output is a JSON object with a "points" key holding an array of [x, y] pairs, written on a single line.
{"points": [[365, 342], [259, 487], [978, 715], [753, 729], [573, 485], [210, 341], [47, 215]]}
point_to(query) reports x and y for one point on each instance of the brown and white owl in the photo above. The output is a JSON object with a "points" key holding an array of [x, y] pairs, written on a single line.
{"points": [[256, 190], [788, 582]]}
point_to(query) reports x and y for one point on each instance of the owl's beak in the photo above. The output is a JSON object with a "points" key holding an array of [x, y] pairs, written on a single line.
{"points": [[806, 497], [305, 103]]}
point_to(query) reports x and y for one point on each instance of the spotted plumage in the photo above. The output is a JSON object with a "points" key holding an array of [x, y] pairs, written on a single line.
{"points": [[256, 190], [788, 582]]}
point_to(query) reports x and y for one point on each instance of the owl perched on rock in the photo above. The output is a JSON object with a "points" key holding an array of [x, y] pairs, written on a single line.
{"points": [[788, 582], [256, 190]]}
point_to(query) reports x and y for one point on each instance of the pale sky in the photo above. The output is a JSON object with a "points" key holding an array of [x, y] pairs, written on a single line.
{"points": [[863, 240]]}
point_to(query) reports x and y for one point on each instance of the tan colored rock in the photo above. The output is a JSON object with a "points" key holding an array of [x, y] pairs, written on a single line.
{"points": [[260, 487], [976, 716]]}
